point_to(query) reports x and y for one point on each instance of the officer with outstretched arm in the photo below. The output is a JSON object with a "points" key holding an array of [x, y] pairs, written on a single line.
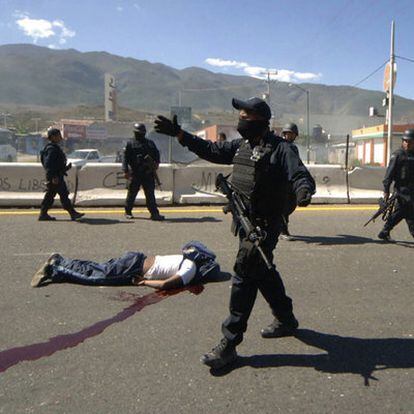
{"points": [[265, 166], [401, 171]]}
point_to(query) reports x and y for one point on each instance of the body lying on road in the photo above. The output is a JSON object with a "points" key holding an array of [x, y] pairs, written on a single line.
{"points": [[195, 263]]}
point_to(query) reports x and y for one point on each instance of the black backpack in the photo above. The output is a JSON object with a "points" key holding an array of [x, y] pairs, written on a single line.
{"points": [[204, 259]]}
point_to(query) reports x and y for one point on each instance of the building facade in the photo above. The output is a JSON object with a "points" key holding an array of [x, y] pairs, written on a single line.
{"points": [[371, 143], [211, 132]]}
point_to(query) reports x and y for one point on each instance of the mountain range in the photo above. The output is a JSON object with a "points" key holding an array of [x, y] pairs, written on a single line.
{"points": [[39, 76]]}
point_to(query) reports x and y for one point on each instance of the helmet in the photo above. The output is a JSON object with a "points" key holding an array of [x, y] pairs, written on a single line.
{"points": [[138, 127], [291, 127], [51, 132], [408, 134]]}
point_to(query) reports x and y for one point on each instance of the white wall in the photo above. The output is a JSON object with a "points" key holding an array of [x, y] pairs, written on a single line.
{"points": [[379, 152]]}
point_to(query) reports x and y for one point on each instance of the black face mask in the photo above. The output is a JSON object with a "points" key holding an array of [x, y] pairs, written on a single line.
{"points": [[252, 129]]}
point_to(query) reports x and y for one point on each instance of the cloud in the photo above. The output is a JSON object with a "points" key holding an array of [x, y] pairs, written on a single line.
{"points": [[36, 29], [137, 6], [119, 9], [225, 63], [259, 72]]}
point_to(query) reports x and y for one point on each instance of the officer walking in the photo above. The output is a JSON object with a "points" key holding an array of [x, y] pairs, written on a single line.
{"points": [[289, 133], [54, 162], [264, 167], [401, 171], [141, 160]]}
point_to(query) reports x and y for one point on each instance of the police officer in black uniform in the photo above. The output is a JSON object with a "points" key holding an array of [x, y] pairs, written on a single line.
{"points": [[54, 162], [264, 167], [141, 159], [401, 171], [289, 133]]}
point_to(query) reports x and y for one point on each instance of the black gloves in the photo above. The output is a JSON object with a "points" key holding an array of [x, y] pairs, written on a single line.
{"points": [[303, 197], [167, 127], [68, 166]]}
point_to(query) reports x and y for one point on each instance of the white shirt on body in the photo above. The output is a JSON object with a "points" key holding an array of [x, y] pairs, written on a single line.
{"points": [[167, 266]]}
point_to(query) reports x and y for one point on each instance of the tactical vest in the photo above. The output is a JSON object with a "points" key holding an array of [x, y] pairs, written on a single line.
{"points": [[256, 181], [406, 173], [139, 149]]}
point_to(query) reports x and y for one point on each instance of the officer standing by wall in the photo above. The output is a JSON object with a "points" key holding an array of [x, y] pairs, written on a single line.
{"points": [[264, 167], [289, 133], [141, 160], [401, 171], [54, 162]]}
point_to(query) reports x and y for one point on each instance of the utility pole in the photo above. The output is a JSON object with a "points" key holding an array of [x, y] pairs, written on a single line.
{"points": [[307, 120], [5, 115], [268, 81], [390, 93], [36, 120]]}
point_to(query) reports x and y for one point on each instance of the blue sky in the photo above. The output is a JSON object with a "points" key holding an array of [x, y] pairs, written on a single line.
{"points": [[334, 42]]}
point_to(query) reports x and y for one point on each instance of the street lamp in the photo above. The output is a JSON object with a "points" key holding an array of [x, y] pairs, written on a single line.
{"points": [[307, 120]]}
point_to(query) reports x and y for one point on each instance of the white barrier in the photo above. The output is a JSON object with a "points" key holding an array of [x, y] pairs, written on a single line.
{"points": [[369, 178], [101, 184], [330, 184], [105, 185], [23, 184], [192, 177]]}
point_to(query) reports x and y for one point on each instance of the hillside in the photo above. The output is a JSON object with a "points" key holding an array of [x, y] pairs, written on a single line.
{"points": [[38, 76]]}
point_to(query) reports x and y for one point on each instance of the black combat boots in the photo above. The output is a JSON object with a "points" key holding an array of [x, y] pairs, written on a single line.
{"points": [[45, 217], [278, 329], [75, 215], [385, 235], [221, 355]]}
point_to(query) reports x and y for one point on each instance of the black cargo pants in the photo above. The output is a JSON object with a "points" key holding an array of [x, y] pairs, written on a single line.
{"points": [[134, 185], [251, 275], [51, 191], [402, 210]]}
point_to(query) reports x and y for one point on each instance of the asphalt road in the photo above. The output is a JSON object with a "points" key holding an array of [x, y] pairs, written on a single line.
{"points": [[75, 349]]}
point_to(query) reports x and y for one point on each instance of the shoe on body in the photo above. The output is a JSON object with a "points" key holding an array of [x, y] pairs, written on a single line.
{"points": [[129, 216], [279, 329], [221, 355], [43, 273]]}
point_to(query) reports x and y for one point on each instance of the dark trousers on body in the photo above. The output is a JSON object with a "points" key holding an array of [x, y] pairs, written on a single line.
{"points": [[252, 275], [402, 210], [51, 191], [114, 272], [134, 185]]}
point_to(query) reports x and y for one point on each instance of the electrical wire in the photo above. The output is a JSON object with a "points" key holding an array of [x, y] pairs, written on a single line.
{"points": [[405, 58], [371, 74]]}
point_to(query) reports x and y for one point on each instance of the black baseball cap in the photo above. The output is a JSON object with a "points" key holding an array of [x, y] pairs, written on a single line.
{"points": [[138, 127], [255, 105]]}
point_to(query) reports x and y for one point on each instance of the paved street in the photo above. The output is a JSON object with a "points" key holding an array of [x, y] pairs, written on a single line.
{"points": [[71, 349]]}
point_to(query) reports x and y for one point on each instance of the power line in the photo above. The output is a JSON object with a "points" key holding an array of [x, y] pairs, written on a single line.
{"points": [[371, 74], [405, 58]]}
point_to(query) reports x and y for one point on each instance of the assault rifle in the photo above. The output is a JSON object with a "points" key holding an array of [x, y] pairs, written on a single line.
{"points": [[151, 167], [239, 212], [385, 208]]}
